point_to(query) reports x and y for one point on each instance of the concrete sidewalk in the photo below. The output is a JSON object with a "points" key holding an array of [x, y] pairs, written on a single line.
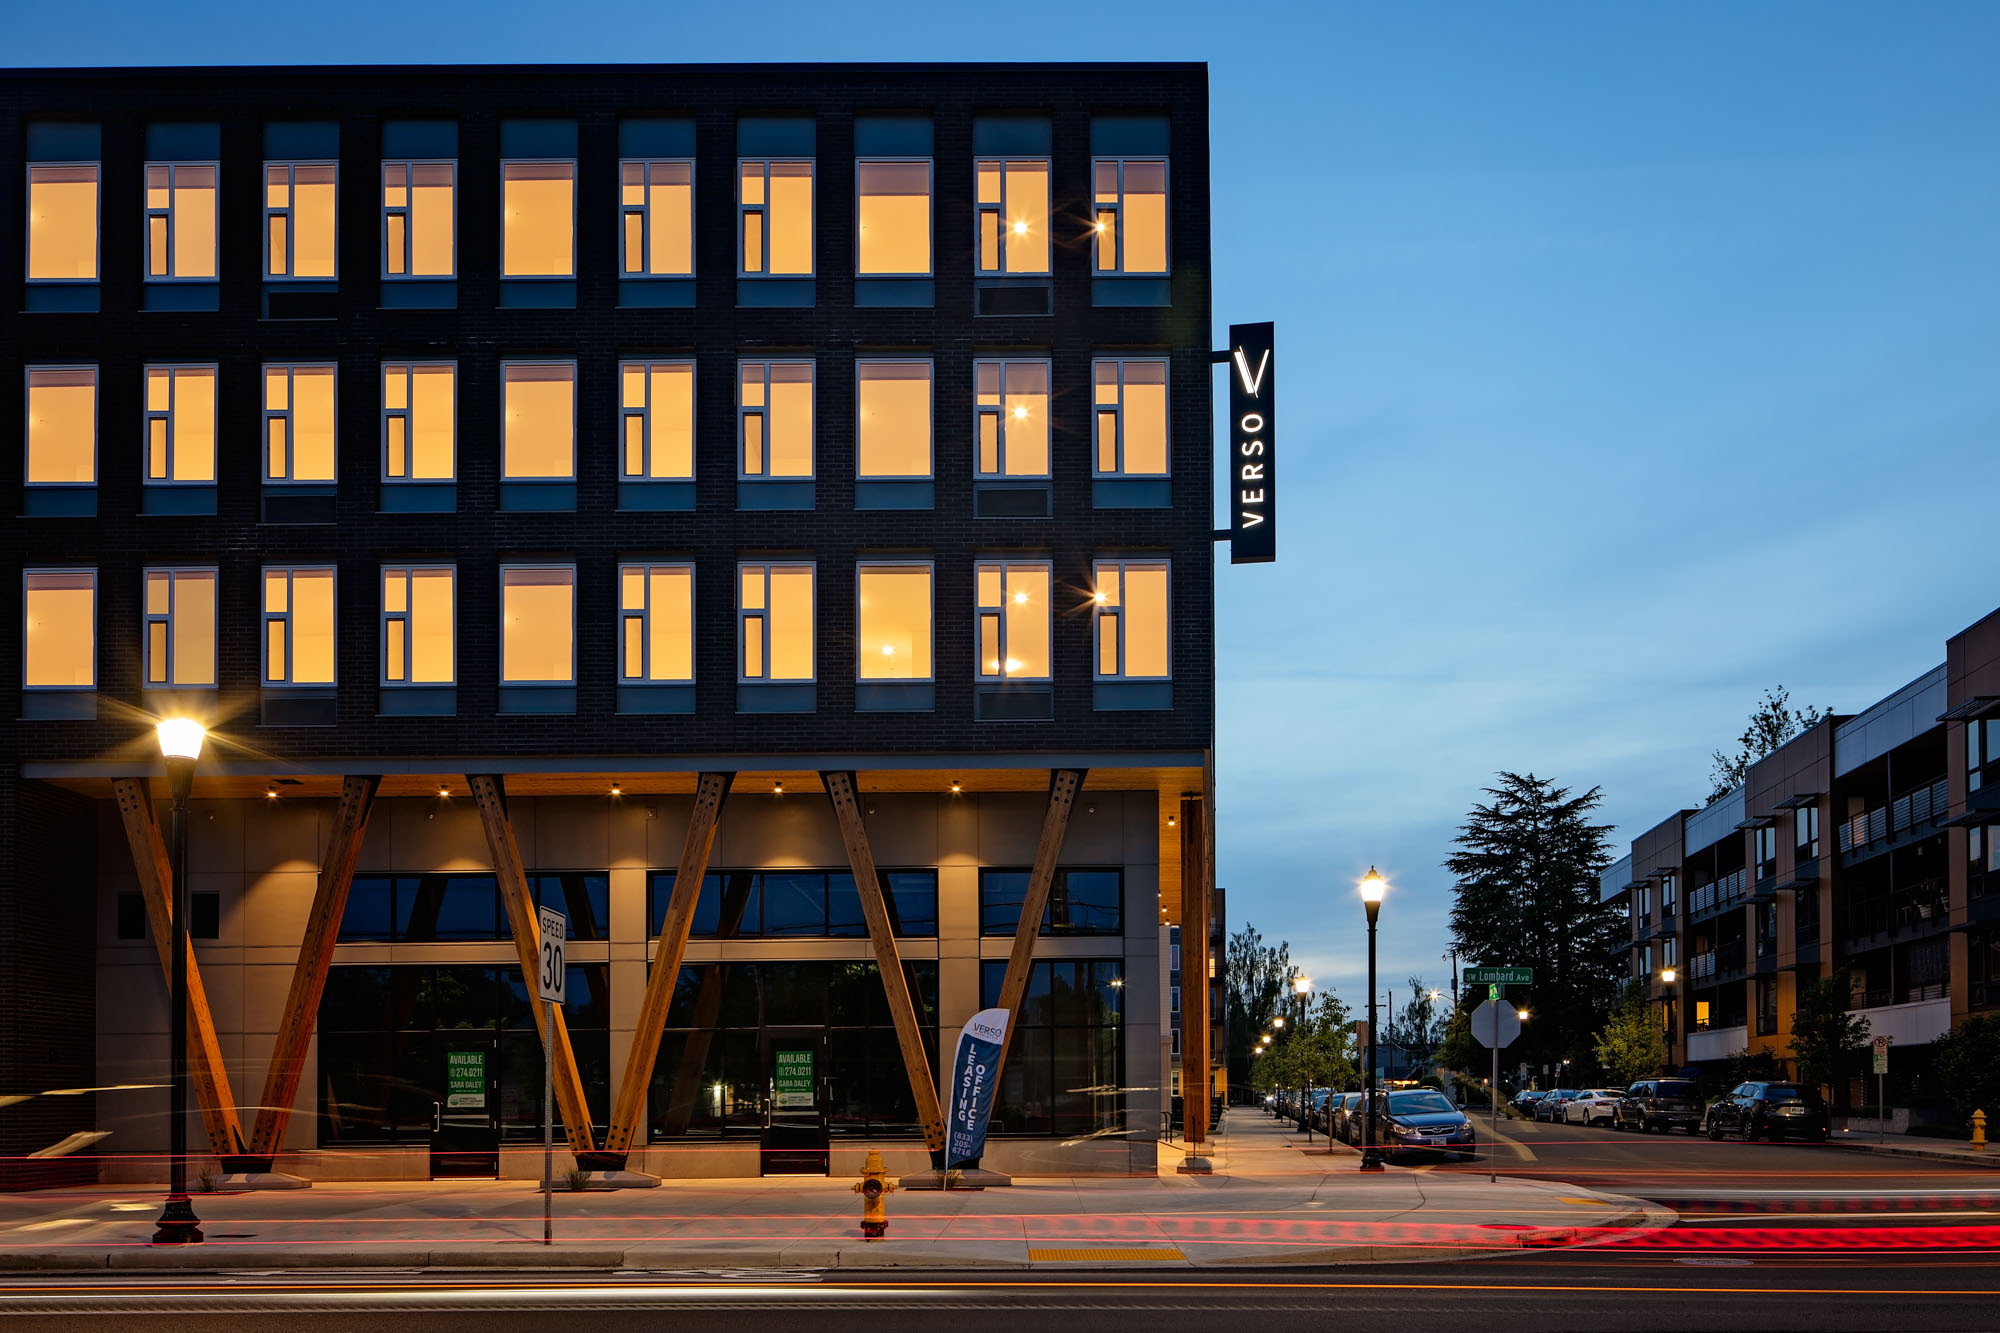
{"points": [[1269, 1202], [1919, 1147]]}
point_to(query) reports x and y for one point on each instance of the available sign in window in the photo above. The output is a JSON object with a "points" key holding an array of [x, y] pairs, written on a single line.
{"points": [[465, 1079], [792, 1081]]}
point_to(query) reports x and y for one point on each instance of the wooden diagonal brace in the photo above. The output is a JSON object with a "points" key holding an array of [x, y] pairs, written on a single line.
{"points": [[322, 929], [1064, 784], [488, 794], [882, 935], [711, 790], [156, 879], [1195, 909]]}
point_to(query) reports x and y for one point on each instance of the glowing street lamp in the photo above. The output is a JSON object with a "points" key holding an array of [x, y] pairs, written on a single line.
{"points": [[1373, 886], [180, 746]]}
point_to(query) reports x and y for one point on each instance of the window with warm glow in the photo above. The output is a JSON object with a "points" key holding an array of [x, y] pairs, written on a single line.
{"points": [[538, 430], [893, 219], [419, 411], [180, 221], [1012, 218], [656, 219], [775, 418], [62, 426], [419, 219], [655, 623], [656, 416], [1131, 215], [298, 423], [59, 629], [301, 219], [537, 624], [180, 425], [774, 206], [1014, 619], [538, 219], [1131, 629], [895, 621], [1013, 409], [180, 628], [418, 613], [62, 222], [298, 625], [1129, 427], [775, 619], [893, 419]]}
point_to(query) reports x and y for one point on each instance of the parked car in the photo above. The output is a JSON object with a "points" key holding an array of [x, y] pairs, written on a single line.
{"points": [[1550, 1105], [1662, 1104], [1346, 1116], [1524, 1100], [1596, 1106], [1770, 1110], [1422, 1120]]}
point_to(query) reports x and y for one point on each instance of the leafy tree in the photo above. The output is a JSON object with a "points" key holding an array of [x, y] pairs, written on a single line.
{"points": [[1827, 1040], [1772, 722], [1458, 1049], [1527, 894], [1748, 1066], [1631, 1044], [1968, 1064], [1258, 979]]}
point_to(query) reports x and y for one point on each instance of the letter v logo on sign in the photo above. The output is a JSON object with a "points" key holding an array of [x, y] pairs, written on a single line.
{"points": [[1252, 383]]}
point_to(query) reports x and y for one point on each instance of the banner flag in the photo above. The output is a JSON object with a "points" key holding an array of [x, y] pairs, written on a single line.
{"points": [[973, 1072]]}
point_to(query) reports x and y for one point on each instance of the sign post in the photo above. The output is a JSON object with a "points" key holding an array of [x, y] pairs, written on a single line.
{"points": [[1881, 1096], [1495, 1024], [549, 978]]}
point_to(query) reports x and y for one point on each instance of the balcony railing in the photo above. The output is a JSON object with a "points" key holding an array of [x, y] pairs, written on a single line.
{"points": [[1914, 809], [1911, 906], [1721, 894], [1701, 966]]}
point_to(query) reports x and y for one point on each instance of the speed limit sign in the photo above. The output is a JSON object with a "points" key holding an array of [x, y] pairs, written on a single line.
{"points": [[551, 973]]}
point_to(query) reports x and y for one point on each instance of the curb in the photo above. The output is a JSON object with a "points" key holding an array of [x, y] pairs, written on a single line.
{"points": [[1980, 1161]]}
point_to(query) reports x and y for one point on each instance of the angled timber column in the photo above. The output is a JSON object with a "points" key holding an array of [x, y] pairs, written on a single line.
{"points": [[295, 1028], [156, 880], [1194, 959], [1064, 784], [710, 791], [882, 935], [491, 798], [707, 1008]]}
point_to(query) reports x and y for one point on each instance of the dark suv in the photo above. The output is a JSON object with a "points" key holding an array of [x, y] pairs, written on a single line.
{"points": [[1659, 1103], [1770, 1110]]}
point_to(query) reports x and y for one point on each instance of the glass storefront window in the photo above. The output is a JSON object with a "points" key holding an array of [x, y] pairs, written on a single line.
{"points": [[1065, 1073], [791, 904], [1081, 902]]}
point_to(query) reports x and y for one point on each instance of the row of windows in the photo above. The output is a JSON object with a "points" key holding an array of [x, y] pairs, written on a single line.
{"points": [[776, 615], [894, 421], [776, 202]]}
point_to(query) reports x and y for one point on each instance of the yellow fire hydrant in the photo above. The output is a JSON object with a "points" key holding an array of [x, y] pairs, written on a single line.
{"points": [[872, 1189], [1979, 1131]]}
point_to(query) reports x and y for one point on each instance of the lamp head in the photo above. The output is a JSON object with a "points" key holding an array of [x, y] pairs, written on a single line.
{"points": [[1522, 1015], [1277, 1022], [180, 737], [1667, 974], [1301, 986], [1373, 886]]}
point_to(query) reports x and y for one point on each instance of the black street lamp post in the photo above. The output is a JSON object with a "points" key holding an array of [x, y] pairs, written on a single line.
{"points": [[180, 746], [1372, 887]]}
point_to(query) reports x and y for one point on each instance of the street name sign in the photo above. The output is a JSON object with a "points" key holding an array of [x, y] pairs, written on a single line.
{"points": [[1499, 976], [1496, 1024]]}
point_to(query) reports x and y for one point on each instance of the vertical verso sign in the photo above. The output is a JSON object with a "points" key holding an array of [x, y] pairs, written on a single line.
{"points": [[1252, 463]]}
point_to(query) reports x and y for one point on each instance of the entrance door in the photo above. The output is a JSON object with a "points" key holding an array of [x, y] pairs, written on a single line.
{"points": [[465, 1120], [794, 1142]]}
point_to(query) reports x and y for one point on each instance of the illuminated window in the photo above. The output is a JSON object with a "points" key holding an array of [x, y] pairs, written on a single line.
{"points": [[180, 425], [418, 612], [656, 410], [298, 423], [1131, 215], [298, 625], [180, 221], [774, 208], [419, 437], [62, 426], [537, 624], [1013, 216], [775, 619], [59, 629], [300, 219], [1131, 608], [419, 219], [62, 222], [538, 219], [893, 219], [538, 434], [1129, 430], [656, 219], [656, 623], [895, 621], [1014, 619], [1013, 426], [775, 412], [180, 628], [893, 419]]}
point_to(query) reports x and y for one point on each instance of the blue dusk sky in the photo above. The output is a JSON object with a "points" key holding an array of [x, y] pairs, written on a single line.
{"points": [[1634, 359]]}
